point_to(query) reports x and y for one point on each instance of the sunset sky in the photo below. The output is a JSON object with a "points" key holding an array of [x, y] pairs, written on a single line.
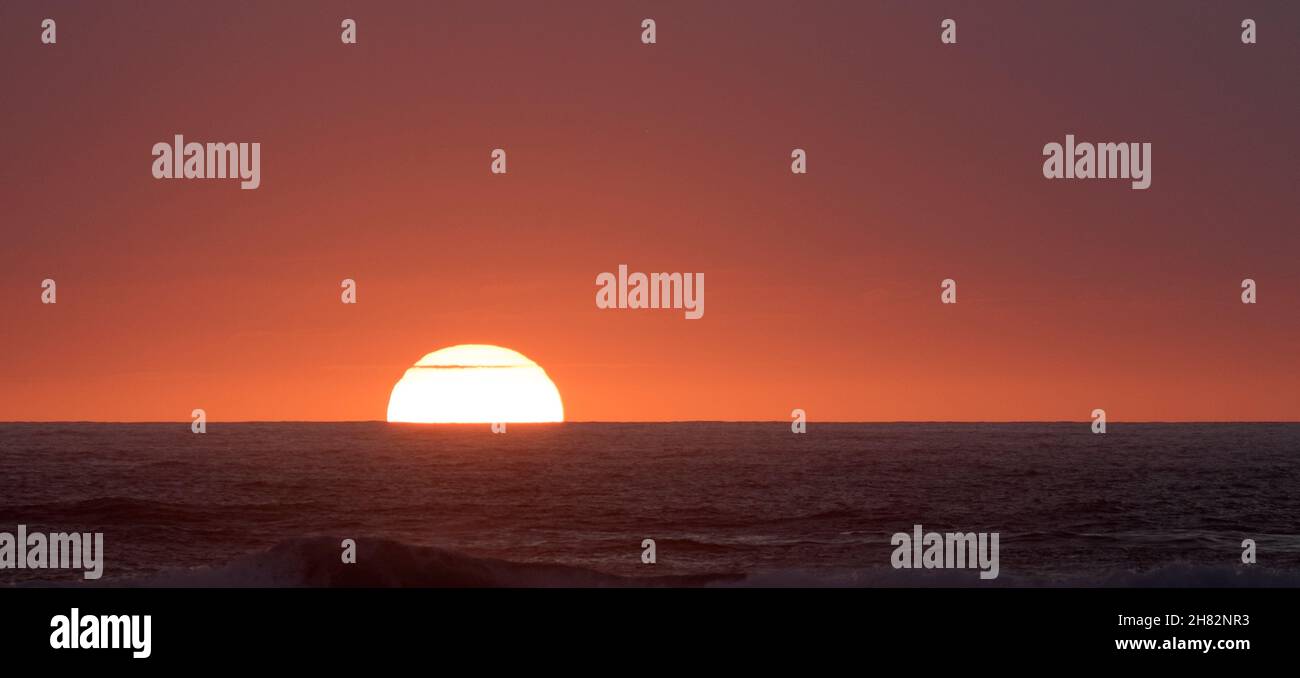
{"points": [[924, 163]]}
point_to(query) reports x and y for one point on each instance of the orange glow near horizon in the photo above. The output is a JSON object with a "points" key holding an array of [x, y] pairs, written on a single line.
{"points": [[924, 163]]}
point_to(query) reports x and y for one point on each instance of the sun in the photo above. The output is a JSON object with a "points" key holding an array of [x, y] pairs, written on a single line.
{"points": [[475, 384]]}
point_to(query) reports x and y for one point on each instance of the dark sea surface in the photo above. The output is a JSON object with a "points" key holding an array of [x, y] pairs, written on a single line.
{"points": [[727, 503]]}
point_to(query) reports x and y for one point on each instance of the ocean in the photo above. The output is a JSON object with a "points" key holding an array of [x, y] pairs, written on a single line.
{"points": [[727, 504]]}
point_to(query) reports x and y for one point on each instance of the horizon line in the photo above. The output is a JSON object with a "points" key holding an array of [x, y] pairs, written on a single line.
{"points": [[663, 421]]}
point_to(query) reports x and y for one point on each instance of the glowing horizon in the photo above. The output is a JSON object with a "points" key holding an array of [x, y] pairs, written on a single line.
{"points": [[823, 288]]}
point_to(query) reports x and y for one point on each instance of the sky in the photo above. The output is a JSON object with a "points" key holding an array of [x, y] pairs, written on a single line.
{"points": [[924, 163]]}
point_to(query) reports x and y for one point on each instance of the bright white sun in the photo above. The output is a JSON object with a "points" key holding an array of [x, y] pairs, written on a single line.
{"points": [[475, 384]]}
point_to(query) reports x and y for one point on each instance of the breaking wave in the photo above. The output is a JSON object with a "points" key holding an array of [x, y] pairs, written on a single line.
{"points": [[316, 562]]}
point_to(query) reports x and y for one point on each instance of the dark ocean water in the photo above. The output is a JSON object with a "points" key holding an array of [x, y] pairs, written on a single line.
{"points": [[742, 503]]}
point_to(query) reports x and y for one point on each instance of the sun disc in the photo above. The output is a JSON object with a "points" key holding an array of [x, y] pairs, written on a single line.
{"points": [[475, 383]]}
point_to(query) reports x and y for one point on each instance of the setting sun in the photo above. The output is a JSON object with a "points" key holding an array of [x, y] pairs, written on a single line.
{"points": [[475, 383]]}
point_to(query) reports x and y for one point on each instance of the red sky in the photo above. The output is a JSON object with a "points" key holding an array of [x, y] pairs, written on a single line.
{"points": [[822, 290]]}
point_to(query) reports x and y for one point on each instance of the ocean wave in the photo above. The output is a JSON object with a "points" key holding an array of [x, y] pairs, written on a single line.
{"points": [[317, 562], [1176, 575]]}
